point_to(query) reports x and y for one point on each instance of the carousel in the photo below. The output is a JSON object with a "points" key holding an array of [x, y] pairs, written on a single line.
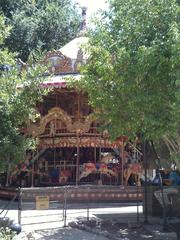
{"points": [[70, 149]]}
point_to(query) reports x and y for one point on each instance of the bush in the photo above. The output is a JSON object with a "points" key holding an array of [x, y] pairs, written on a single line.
{"points": [[6, 234]]}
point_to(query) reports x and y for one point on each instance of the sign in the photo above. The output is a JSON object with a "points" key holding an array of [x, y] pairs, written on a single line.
{"points": [[42, 202]]}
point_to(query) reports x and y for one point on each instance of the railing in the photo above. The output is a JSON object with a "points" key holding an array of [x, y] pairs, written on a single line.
{"points": [[70, 169], [65, 133], [7, 206], [68, 204], [5, 221]]}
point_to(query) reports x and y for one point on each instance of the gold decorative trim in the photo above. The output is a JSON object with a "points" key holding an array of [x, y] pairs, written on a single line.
{"points": [[55, 113], [80, 127], [72, 142], [63, 66]]}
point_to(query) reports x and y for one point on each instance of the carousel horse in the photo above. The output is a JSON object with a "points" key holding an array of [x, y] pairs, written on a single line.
{"points": [[19, 173], [99, 167], [64, 175], [107, 158], [134, 169]]}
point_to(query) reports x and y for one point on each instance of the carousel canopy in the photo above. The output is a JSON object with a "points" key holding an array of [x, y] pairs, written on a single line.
{"points": [[72, 48], [59, 81]]}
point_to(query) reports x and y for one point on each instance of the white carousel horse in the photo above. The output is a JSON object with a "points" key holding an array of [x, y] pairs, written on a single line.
{"points": [[99, 167], [107, 158]]}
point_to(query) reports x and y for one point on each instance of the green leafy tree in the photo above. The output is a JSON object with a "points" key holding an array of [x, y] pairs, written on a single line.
{"points": [[19, 92], [38, 24], [132, 72]]}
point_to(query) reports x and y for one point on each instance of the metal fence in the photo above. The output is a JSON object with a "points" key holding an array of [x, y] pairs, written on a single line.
{"points": [[43, 210], [58, 213]]}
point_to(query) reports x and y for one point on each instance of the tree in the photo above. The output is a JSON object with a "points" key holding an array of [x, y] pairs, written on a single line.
{"points": [[132, 72], [17, 104], [131, 76], [38, 24]]}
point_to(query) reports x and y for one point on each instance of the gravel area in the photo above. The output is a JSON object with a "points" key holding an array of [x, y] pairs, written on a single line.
{"points": [[60, 234], [114, 230]]}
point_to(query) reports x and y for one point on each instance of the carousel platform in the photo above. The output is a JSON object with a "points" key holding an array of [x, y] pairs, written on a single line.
{"points": [[81, 193], [8, 192]]}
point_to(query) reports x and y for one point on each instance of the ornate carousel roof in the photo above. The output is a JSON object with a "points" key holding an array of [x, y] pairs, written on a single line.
{"points": [[72, 49], [64, 63], [68, 59]]}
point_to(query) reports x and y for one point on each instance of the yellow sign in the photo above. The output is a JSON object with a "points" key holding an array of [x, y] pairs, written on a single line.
{"points": [[42, 202]]}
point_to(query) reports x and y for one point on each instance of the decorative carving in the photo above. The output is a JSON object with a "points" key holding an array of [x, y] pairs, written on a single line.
{"points": [[53, 113], [80, 55], [72, 142], [52, 132], [57, 113], [78, 127], [58, 63], [82, 127], [79, 61], [105, 134]]}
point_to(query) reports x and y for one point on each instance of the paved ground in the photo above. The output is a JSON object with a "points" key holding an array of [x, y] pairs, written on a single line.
{"points": [[49, 224], [61, 234], [53, 218]]}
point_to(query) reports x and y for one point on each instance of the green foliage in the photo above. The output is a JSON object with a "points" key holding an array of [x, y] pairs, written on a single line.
{"points": [[132, 72], [19, 92], [38, 24], [6, 234], [5, 57]]}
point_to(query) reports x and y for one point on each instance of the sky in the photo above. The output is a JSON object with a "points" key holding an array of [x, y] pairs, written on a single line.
{"points": [[92, 5]]}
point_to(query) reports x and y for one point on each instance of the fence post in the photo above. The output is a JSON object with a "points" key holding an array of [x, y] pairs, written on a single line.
{"points": [[88, 207], [19, 205], [63, 211], [137, 194], [65, 207]]}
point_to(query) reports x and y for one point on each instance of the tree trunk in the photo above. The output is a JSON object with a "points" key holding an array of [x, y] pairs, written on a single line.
{"points": [[162, 189]]}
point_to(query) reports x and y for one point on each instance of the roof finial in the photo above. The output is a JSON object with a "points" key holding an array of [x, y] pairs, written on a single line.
{"points": [[83, 22]]}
